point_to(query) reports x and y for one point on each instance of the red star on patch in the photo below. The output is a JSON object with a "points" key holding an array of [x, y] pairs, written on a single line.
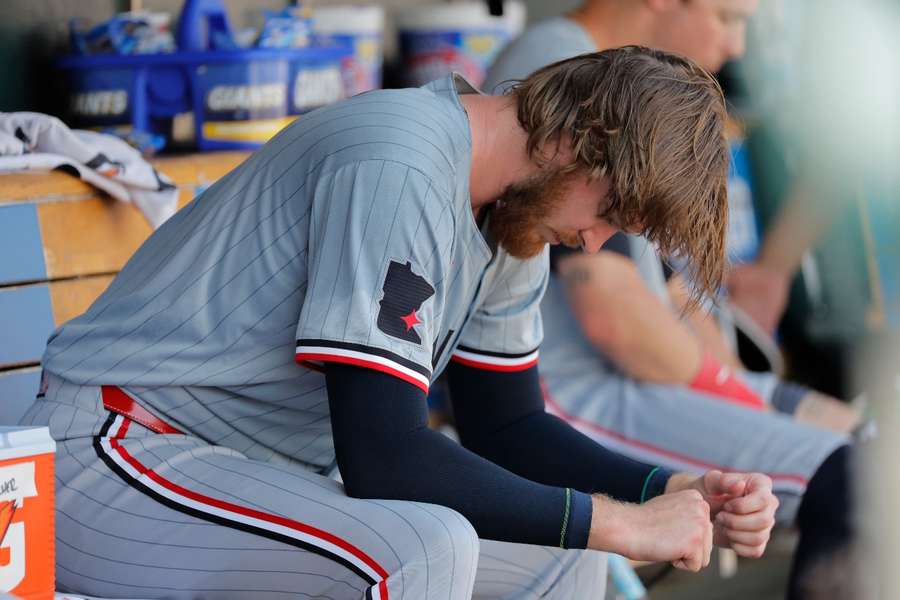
{"points": [[410, 320]]}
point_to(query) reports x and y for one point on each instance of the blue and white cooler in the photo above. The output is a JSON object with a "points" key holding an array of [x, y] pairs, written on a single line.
{"points": [[463, 37], [362, 29]]}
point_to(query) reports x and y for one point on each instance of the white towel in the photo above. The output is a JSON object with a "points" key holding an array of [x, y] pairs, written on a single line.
{"points": [[34, 141]]}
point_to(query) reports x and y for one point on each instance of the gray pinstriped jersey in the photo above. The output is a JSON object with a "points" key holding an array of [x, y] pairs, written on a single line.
{"points": [[539, 45], [349, 237]]}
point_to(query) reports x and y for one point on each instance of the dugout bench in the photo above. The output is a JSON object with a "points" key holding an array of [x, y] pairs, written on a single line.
{"points": [[61, 243]]}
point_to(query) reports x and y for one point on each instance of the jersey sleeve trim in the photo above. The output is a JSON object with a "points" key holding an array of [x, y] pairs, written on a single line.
{"points": [[495, 361], [311, 353]]}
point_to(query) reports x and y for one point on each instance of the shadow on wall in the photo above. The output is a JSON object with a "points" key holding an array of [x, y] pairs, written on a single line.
{"points": [[33, 33], [27, 78]]}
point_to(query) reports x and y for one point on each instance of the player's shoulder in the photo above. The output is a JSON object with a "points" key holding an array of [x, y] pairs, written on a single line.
{"points": [[421, 105], [415, 127], [541, 44], [552, 26], [555, 38]]}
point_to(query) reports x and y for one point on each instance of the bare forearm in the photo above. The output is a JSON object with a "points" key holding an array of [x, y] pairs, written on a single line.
{"points": [[611, 519], [673, 527], [661, 350], [628, 323], [807, 214], [703, 325], [608, 529]]}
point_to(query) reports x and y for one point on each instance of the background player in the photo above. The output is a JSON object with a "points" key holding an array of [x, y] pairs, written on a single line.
{"points": [[374, 239], [611, 340]]}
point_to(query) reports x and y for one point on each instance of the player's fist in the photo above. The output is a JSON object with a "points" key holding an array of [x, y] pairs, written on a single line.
{"points": [[742, 507], [673, 527], [745, 523]]}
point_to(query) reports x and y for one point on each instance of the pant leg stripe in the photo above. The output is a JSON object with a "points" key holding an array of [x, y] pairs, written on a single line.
{"points": [[273, 527], [119, 427], [781, 482]]}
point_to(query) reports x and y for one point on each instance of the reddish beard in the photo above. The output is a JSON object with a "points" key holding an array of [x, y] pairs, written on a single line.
{"points": [[522, 208]]}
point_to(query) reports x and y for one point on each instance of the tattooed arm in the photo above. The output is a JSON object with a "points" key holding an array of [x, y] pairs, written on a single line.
{"points": [[622, 317]]}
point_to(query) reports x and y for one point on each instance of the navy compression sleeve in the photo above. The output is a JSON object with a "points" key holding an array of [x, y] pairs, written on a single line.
{"points": [[385, 450], [501, 416]]}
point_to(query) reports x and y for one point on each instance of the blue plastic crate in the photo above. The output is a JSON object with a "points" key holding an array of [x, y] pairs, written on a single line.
{"points": [[238, 98]]}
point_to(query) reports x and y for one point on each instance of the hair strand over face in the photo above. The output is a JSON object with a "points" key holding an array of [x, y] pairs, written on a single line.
{"points": [[654, 123]]}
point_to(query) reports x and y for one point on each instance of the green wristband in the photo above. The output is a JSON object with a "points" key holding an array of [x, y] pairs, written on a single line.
{"points": [[565, 524], [647, 483]]}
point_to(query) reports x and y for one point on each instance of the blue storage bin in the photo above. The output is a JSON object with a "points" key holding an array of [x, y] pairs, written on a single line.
{"points": [[743, 238], [238, 98]]}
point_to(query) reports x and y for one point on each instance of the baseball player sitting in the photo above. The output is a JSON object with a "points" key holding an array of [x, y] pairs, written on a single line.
{"points": [[616, 361], [293, 317]]}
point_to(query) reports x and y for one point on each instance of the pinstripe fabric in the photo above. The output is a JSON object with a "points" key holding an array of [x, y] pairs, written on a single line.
{"points": [[531, 572], [669, 425], [665, 425], [505, 330], [140, 514], [216, 326], [221, 318]]}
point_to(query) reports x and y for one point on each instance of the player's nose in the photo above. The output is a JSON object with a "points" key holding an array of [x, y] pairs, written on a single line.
{"points": [[736, 44], [592, 239]]}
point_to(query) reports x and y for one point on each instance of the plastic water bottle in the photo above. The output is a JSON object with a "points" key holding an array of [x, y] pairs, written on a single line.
{"points": [[625, 579]]}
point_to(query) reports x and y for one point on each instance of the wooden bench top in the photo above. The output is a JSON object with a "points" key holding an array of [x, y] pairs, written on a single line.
{"points": [[61, 243], [188, 170]]}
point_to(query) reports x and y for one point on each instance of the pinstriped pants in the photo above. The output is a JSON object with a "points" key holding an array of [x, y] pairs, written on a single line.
{"points": [[147, 515]]}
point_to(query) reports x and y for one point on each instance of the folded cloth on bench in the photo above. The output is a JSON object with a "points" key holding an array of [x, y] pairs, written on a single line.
{"points": [[34, 141]]}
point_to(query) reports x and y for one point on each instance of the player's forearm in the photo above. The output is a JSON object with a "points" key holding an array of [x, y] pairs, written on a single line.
{"points": [[702, 324], [501, 416], [616, 525], [543, 448], [620, 315], [385, 450], [650, 345], [609, 530], [426, 466], [807, 214]]}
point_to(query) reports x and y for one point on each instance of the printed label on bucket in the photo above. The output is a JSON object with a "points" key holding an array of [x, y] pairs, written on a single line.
{"points": [[26, 527], [102, 97], [315, 87]]}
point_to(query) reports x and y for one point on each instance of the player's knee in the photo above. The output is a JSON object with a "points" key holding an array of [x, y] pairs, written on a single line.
{"points": [[458, 532], [448, 537]]}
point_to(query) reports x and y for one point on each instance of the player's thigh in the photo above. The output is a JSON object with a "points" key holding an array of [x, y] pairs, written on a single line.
{"points": [[524, 571], [763, 384], [170, 516], [685, 430]]}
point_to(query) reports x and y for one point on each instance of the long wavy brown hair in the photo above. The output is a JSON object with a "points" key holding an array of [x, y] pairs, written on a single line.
{"points": [[654, 123]]}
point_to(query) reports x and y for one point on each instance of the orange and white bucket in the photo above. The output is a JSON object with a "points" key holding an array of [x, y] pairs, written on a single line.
{"points": [[26, 512]]}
